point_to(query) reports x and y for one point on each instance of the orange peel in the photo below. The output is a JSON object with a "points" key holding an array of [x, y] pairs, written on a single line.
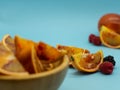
{"points": [[8, 42]]}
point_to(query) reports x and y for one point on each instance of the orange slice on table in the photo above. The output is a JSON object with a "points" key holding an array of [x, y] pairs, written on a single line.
{"points": [[71, 50], [8, 42], [109, 38], [9, 64], [88, 62]]}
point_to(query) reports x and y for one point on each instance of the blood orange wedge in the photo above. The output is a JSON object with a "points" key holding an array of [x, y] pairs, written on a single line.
{"points": [[23, 47], [109, 38], [9, 65], [71, 50], [26, 54], [37, 64], [47, 52], [51, 65], [8, 42], [88, 62]]}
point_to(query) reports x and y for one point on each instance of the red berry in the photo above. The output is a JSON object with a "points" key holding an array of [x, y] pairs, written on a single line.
{"points": [[91, 36], [106, 67], [96, 41]]}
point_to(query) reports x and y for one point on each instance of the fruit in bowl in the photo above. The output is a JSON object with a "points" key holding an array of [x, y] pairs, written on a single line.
{"points": [[29, 65], [109, 28], [49, 80]]}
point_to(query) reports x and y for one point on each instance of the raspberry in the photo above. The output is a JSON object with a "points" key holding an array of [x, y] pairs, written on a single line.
{"points": [[106, 67], [109, 58], [94, 39], [91, 36]]}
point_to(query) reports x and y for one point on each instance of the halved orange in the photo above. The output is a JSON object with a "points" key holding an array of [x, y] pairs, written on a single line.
{"points": [[8, 42], [109, 38], [9, 65], [88, 62]]}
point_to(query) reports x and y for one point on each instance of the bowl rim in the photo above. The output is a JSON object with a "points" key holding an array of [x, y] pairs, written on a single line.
{"points": [[63, 65]]}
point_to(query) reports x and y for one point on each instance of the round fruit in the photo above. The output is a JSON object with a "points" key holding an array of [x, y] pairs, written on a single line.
{"points": [[109, 58], [110, 20], [106, 67], [87, 62], [91, 37], [109, 38]]}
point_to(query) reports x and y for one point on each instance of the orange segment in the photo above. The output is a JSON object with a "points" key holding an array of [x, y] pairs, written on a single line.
{"points": [[71, 50], [37, 64], [88, 62], [23, 53], [23, 47], [109, 38], [48, 52], [9, 65], [8, 42], [51, 65], [26, 54]]}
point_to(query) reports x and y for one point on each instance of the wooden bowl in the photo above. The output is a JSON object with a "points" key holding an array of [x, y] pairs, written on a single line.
{"points": [[49, 80]]}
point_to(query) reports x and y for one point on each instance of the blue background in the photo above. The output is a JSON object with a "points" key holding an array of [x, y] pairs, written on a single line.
{"points": [[66, 22]]}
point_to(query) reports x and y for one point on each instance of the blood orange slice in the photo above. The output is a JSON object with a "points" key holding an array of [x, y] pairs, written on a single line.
{"points": [[71, 50], [26, 54], [88, 62]]}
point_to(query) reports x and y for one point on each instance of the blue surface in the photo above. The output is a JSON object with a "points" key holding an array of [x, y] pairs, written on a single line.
{"points": [[67, 22]]}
